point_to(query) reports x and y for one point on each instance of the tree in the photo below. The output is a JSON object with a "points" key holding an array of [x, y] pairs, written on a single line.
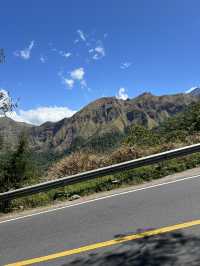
{"points": [[19, 163], [6, 102], [16, 167], [6, 105]]}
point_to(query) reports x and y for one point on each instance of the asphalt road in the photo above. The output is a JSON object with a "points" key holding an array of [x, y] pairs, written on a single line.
{"points": [[107, 218]]}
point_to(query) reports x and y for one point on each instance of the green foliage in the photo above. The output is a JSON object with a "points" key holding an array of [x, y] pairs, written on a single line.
{"points": [[105, 142], [43, 160], [16, 169], [138, 135], [175, 129], [98, 144], [1, 143], [181, 125]]}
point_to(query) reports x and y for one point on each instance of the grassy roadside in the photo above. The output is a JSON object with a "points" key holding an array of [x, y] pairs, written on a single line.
{"points": [[119, 180]]}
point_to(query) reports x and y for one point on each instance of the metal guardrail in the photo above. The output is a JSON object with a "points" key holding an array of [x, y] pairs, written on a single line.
{"points": [[42, 187]]}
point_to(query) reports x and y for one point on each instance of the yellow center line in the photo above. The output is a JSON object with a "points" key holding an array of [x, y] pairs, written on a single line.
{"points": [[108, 243]]}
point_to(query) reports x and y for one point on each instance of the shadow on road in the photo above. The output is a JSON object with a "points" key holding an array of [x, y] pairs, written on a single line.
{"points": [[167, 249]]}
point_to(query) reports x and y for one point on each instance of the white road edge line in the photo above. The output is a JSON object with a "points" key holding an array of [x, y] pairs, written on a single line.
{"points": [[101, 198]]}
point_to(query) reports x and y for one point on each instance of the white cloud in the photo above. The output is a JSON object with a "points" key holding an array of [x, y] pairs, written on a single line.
{"points": [[69, 82], [41, 115], [26, 52], [98, 52], [191, 89], [42, 59], [76, 41], [83, 83], [122, 95], [81, 35], [67, 55], [64, 54], [125, 65], [77, 74]]}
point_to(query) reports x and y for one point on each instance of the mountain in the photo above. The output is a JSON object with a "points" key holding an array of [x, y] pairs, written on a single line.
{"points": [[195, 91], [10, 130], [105, 119]]}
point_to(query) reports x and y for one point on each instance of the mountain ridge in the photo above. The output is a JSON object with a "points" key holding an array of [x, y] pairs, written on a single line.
{"points": [[104, 116]]}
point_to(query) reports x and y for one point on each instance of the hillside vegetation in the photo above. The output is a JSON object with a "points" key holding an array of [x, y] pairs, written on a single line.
{"points": [[137, 140]]}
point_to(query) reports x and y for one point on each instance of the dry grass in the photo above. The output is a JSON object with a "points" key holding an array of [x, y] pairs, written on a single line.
{"points": [[75, 163], [82, 161]]}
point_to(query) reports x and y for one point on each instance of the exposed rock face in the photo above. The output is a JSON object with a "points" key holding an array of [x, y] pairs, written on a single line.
{"points": [[103, 116]]}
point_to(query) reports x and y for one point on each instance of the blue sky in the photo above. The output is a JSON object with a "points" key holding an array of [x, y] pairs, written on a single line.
{"points": [[61, 55]]}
